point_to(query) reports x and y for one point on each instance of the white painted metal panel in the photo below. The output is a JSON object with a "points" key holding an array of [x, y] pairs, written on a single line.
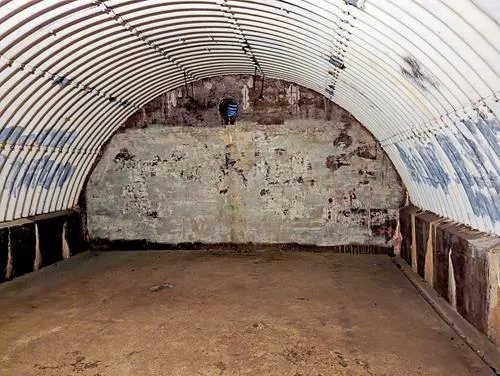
{"points": [[421, 75]]}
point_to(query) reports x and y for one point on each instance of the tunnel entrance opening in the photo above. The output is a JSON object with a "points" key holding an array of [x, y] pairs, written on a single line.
{"points": [[228, 110]]}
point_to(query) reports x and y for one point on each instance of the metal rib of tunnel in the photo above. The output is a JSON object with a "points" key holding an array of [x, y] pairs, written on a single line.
{"points": [[422, 76]]}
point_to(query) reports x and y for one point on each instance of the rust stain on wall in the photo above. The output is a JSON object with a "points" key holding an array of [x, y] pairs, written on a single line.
{"points": [[461, 264], [242, 183]]}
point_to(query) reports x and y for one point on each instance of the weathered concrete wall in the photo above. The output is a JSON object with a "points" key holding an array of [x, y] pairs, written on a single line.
{"points": [[269, 102], [463, 265], [305, 181], [295, 169]]}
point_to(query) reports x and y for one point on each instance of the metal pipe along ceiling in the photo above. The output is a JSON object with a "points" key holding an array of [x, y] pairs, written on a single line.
{"points": [[421, 75]]}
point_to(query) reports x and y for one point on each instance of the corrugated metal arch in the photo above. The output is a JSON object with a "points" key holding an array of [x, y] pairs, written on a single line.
{"points": [[421, 75]]}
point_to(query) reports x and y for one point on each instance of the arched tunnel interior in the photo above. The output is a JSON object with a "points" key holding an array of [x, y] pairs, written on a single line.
{"points": [[251, 187]]}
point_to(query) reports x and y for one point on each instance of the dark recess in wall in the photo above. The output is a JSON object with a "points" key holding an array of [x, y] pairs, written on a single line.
{"points": [[134, 245], [280, 101], [22, 240], [468, 271], [50, 237]]}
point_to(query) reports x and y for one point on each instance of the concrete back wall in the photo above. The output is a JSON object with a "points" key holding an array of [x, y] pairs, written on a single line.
{"points": [[304, 181], [296, 168]]}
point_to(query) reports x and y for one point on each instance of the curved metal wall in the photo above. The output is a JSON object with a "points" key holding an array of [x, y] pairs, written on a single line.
{"points": [[421, 75]]}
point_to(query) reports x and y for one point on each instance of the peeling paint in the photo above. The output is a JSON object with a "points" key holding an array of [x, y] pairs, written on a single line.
{"points": [[293, 95], [334, 162], [243, 183], [343, 140], [397, 239], [356, 3], [9, 269], [461, 264], [481, 201], [44, 173], [429, 253], [452, 286], [66, 251], [38, 255], [412, 69], [414, 265], [337, 62], [494, 295], [423, 165], [245, 98], [367, 151], [45, 138], [35, 242], [463, 162]]}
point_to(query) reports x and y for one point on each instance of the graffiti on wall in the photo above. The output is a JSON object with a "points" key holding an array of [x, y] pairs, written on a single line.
{"points": [[472, 160], [45, 138], [43, 173]]}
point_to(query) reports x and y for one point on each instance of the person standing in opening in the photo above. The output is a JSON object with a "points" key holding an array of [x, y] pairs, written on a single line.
{"points": [[228, 109]]}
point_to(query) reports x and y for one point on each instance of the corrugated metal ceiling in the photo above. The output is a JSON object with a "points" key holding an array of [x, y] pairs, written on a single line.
{"points": [[422, 75]]}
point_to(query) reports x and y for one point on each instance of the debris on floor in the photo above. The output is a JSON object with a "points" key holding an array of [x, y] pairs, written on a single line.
{"points": [[160, 287]]}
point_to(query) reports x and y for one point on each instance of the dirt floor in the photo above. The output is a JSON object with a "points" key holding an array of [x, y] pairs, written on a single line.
{"points": [[214, 313]]}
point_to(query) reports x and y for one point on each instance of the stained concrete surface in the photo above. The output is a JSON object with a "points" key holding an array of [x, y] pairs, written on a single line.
{"points": [[218, 313], [461, 264], [306, 181]]}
